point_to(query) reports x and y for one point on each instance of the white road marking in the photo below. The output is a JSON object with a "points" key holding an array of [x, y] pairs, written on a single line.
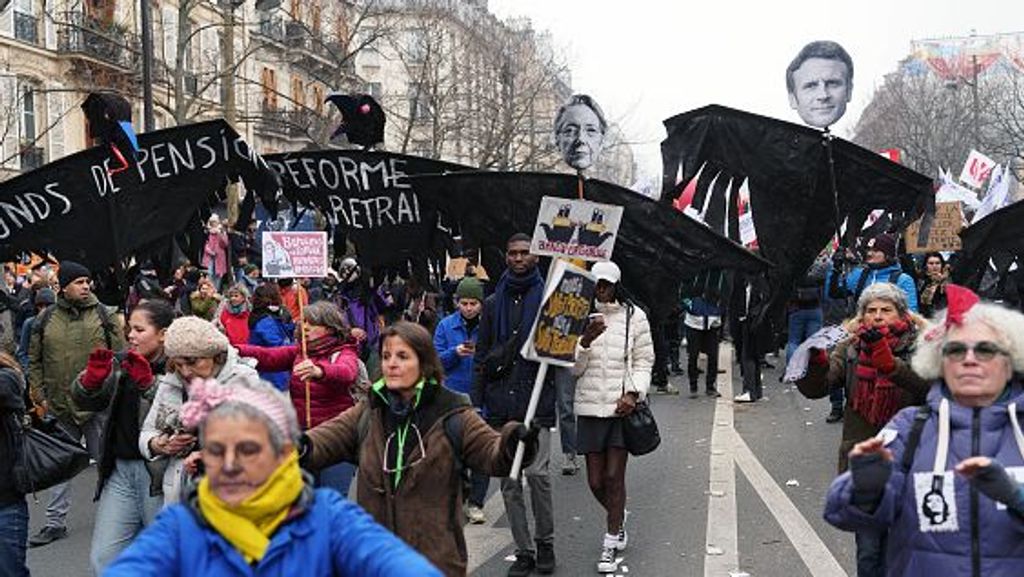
{"points": [[721, 539], [485, 541]]}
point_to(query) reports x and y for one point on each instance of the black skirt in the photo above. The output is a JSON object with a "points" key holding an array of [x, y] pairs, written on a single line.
{"points": [[597, 434]]}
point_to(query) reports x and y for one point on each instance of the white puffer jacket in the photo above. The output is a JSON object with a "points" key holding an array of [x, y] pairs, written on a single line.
{"points": [[602, 369]]}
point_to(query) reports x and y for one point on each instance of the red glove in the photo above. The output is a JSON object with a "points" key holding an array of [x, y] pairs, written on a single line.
{"points": [[819, 357], [881, 357], [137, 368], [101, 362]]}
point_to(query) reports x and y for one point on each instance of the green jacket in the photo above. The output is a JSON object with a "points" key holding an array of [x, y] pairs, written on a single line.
{"points": [[61, 350]]}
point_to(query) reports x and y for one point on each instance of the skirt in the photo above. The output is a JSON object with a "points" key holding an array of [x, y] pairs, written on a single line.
{"points": [[597, 434]]}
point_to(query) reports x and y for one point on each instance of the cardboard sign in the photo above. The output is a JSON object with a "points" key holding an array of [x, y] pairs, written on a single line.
{"points": [[563, 315], [940, 233], [294, 254], [977, 168], [576, 229]]}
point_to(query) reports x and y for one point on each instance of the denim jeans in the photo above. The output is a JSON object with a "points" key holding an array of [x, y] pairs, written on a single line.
{"points": [[13, 539], [125, 509], [60, 495], [478, 488], [802, 324], [337, 477], [871, 553], [565, 391], [538, 478]]}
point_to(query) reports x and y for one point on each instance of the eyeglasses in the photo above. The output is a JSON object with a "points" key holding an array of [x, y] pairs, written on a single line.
{"points": [[983, 350], [400, 464]]}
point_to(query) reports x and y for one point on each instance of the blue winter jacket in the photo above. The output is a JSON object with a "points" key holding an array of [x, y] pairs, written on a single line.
{"points": [[449, 334], [333, 537], [916, 545], [271, 331], [904, 281]]}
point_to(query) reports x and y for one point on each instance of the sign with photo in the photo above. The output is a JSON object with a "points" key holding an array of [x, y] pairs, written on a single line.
{"points": [[940, 233], [294, 254], [977, 169], [564, 313], [576, 229]]}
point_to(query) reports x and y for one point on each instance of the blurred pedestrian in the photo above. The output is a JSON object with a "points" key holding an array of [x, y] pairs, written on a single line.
{"points": [[270, 326], [13, 508]]}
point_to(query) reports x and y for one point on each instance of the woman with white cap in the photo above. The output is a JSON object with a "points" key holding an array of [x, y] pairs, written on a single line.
{"points": [[944, 479], [613, 364], [194, 349]]}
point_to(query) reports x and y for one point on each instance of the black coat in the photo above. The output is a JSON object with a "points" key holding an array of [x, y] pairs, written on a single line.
{"points": [[12, 407]]}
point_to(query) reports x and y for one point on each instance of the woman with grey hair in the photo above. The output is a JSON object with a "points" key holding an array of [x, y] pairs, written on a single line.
{"points": [[580, 128], [254, 512], [873, 365], [936, 477], [322, 376]]}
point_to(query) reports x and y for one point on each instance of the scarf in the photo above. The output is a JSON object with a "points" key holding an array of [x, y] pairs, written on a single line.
{"points": [[249, 525], [323, 346], [875, 397], [530, 286]]}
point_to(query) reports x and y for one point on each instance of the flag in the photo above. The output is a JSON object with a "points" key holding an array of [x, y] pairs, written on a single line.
{"points": [[997, 196]]}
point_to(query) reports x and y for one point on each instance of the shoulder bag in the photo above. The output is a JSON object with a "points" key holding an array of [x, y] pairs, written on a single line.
{"points": [[639, 429]]}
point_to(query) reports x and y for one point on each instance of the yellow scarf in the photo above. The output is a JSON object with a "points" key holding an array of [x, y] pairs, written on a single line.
{"points": [[249, 525]]}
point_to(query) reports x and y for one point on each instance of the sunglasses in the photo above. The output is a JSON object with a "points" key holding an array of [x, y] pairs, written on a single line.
{"points": [[983, 350]]}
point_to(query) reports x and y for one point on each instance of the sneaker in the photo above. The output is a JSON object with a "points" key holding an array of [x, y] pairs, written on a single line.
{"points": [[569, 465], [743, 398], [475, 515], [545, 558], [608, 563], [835, 416], [523, 565], [668, 389], [713, 393], [622, 539], [693, 392], [47, 535]]}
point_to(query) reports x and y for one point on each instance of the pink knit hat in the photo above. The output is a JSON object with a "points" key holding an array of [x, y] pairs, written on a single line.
{"points": [[205, 396]]}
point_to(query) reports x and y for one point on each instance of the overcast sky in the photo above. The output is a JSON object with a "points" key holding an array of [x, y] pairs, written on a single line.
{"points": [[647, 60]]}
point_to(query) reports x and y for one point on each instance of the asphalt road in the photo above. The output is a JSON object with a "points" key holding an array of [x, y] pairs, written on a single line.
{"points": [[773, 492]]}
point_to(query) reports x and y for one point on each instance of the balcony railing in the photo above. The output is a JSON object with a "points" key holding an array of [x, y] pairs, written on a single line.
{"points": [[32, 157], [26, 27], [107, 43], [272, 28]]}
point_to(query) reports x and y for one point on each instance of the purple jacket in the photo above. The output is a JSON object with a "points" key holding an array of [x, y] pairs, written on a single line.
{"points": [[971, 531]]}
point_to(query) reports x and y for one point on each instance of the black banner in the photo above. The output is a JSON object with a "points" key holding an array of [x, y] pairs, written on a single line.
{"points": [[76, 209], [368, 196]]}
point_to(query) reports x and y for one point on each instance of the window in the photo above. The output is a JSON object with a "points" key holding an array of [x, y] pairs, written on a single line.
{"points": [[298, 94], [318, 99], [314, 15], [28, 114], [375, 90], [26, 24], [416, 45], [268, 83], [295, 10], [419, 103]]}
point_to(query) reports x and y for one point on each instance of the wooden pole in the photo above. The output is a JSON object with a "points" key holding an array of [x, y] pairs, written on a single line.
{"points": [[579, 183], [302, 338]]}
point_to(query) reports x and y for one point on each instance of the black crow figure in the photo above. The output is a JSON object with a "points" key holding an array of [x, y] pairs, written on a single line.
{"points": [[362, 119], [110, 121]]}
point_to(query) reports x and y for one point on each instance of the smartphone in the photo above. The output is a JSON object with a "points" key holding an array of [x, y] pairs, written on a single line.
{"points": [[470, 345]]}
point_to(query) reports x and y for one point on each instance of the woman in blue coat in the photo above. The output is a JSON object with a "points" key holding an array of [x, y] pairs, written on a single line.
{"points": [[254, 513], [943, 478], [269, 327]]}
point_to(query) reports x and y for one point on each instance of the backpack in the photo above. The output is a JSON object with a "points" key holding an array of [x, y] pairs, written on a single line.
{"points": [[863, 281], [914, 438], [39, 325]]}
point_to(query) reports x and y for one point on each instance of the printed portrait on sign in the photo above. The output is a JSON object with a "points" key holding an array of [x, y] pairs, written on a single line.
{"points": [[820, 82], [580, 128]]}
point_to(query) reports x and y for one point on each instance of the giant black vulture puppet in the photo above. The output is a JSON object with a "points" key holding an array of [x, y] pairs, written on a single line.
{"points": [[110, 122], [802, 184]]}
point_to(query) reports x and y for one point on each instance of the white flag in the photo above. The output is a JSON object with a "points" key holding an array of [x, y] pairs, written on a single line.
{"points": [[976, 169], [997, 195]]}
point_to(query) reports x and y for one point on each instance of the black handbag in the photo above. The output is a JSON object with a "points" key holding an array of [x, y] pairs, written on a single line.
{"points": [[639, 429], [47, 456]]}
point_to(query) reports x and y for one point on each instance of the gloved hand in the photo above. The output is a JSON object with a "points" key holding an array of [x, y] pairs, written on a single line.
{"points": [[881, 353], [98, 368], [528, 435], [138, 370], [995, 483], [870, 473], [872, 335]]}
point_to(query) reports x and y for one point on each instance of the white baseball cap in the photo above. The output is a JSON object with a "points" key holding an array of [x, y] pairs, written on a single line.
{"points": [[606, 271]]}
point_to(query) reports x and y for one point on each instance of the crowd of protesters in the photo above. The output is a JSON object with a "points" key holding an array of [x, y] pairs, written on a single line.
{"points": [[220, 403]]}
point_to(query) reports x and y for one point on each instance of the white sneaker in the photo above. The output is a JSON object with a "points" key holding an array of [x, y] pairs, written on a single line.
{"points": [[622, 539], [475, 515], [608, 563], [744, 398]]}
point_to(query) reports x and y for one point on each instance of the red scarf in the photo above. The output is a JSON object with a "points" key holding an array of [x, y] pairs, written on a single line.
{"points": [[323, 346], [875, 397]]}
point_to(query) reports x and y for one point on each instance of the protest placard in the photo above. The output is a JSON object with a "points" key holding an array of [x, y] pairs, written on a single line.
{"points": [[292, 254], [942, 233], [564, 313], [576, 229]]}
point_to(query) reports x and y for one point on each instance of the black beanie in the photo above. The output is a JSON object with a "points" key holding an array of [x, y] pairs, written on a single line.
{"points": [[71, 270]]}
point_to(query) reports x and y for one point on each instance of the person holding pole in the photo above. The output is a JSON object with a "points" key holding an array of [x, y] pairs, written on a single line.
{"points": [[326, 365], [503, 383]]}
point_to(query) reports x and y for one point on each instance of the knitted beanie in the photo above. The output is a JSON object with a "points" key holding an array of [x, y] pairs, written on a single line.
{"points": [[470, 288], [70, 271], [194, 337]]}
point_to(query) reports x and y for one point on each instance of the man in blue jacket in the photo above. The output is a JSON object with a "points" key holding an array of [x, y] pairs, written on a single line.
{"points": [[880, 265], [455, 340]]}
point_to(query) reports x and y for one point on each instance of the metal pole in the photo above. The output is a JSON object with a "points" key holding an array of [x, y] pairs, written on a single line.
{"points": [[145, 12]]}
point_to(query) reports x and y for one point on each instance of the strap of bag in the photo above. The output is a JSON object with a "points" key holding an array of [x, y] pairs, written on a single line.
{"points": [[914, 438], [625, 347], [862, 281]]}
